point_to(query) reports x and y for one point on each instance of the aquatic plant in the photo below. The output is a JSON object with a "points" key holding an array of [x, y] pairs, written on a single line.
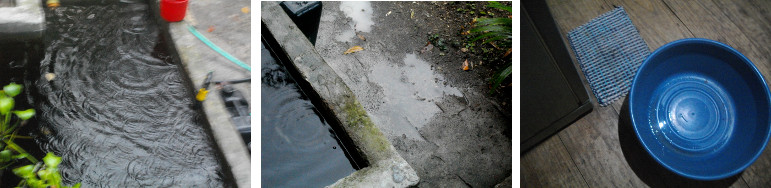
{"points": [[32, 175], [8, 129]]}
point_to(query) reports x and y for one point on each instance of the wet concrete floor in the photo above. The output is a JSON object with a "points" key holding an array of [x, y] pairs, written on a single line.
{"points": [[449, 130]]}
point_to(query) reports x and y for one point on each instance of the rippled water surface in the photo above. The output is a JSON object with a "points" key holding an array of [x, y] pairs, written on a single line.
{"points": [[299, 148], [118, 110]]}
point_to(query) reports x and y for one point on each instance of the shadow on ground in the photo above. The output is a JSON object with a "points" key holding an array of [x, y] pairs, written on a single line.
{"points": [[646, 168]]}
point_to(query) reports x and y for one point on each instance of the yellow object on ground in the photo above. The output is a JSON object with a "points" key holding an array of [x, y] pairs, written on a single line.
{"points": [[52, 3], [201, 94], [353, 49]]}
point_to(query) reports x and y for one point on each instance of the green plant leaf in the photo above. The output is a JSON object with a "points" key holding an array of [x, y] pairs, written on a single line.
{"points": [[6, 104], [51, 160], [76, 185], [493, 21], [26, 114], [488, 35], [491, 28], [498, 78], [44, 174], [12, 89], [21, 156], [498, 5], [25, 171], [5, 155]]}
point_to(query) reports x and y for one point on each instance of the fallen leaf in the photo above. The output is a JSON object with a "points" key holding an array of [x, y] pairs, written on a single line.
{"points": [[361, 37], [389, 12], [50, 76], [428, 48], [211, 28], [465, 65], [412, 14], [353, 49], [507, 53], [245, 10], [464, 49]]}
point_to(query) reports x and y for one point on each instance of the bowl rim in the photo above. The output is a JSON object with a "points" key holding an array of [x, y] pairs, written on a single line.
{"points": [[745, 60]]}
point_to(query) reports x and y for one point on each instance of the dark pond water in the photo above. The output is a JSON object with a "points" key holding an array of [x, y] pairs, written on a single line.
{"points": [[118, 110], [299, 148]]}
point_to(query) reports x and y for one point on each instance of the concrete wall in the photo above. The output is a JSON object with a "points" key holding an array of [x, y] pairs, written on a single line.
{"points": [[386, 167], [23, 22]]}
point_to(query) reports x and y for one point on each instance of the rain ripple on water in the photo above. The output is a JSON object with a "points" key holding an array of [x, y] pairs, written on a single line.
{"points": [[119, 111]]}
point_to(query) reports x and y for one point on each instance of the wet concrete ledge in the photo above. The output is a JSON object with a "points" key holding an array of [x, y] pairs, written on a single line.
{"points": [[386, 167], [23, 22], [197, 63]]}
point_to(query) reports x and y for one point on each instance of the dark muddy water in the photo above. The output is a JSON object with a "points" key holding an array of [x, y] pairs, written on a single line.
{"points": [[299, 148], [118, 110]]}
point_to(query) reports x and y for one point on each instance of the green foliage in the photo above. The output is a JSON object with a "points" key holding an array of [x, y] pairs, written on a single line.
{"points": [[498, 5], [48, 175], [437, 41], [499, 77], [494, 30]]}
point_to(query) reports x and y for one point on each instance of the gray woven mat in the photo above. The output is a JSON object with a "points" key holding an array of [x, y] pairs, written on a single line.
{"points": [[609, 50]]}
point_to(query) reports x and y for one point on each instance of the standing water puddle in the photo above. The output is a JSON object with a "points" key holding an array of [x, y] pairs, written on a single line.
{"points": [[299, 148], [361, 15], [118, 111], [411, 92]]}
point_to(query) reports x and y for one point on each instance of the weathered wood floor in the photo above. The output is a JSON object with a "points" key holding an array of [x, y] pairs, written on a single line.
{"points": [[598, 150]]}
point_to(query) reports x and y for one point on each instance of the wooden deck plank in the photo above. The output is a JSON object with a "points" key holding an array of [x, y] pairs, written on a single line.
{"points": [[705, 19], [655, 22], [593, 140], [750, 18], [549, 165], [594, 145]]}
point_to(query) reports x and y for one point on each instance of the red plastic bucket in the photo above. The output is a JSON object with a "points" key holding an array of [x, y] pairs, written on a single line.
{"points": [[173, 10]]}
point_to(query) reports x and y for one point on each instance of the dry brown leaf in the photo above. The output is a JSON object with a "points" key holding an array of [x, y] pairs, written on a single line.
{"points": [[361, 37], [245, 10], [353, 49], [465, 65], [211, 28], [507, 53]]}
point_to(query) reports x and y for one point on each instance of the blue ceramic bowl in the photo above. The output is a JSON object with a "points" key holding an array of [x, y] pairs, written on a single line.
{"points": [[701, 109]]}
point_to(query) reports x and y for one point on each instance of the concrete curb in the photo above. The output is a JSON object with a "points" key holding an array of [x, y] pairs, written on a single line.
{"points": [[223, 130], [386, 167], [25, 21]]}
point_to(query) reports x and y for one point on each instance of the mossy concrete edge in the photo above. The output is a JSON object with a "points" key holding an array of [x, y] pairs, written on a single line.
{"points": [[195, 63], [387, 168]]}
